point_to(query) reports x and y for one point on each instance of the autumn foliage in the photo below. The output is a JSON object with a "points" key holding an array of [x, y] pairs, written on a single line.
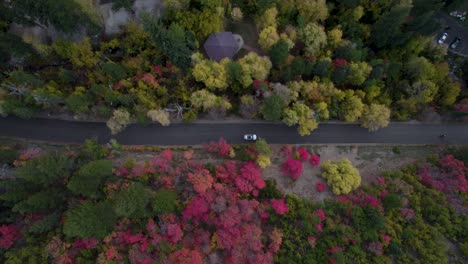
{"points": [[292, 167]]}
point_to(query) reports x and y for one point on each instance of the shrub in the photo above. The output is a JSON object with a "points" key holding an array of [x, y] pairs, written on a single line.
{"points": [[165, 201], [392, 201], [90, 220], [293, 168], [8, 156], [341, 176], [132, 202], [89, 177]]}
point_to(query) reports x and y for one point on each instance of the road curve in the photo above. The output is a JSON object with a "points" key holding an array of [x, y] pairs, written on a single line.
{"points": [[197, 133]]}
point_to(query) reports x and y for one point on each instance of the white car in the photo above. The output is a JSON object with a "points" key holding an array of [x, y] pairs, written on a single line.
{"points": [[442, 38], [250, 137]]}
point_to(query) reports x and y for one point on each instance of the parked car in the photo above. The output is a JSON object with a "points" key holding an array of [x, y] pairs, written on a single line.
{"points": [[443, 38], [250, 137], [455, 43]]}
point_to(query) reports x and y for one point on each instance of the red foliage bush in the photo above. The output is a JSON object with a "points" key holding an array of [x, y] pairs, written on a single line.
{"points": [[302, 154], [314, 160], [321, 214], [320, 187], [9, 234], [173, 233], [86, 243], [334, 249], [221, 147], [339, 62], [280, 206], [186, 256], [201, 180], [292, 168], [449, 177], [250, 179]]}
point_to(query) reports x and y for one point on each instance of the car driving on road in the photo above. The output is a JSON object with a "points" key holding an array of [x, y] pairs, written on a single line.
{"points": [[250, 137]]}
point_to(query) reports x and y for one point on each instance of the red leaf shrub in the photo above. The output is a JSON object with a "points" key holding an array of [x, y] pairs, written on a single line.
{"points": [[407, 213], [276, 239], [86, 243], [197, 209], [9, 234], [339, 62], [320, 214], [449, 177], [292, 168], [302, 154], [320, 187], [314, 160], [201, 180], [250, 179], [221, 147], [186, 256], [280, 206], [376, 248], [167, 155], [334, 249], [173, 233]]}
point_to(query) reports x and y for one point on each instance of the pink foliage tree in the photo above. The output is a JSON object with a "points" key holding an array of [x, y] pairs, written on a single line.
{"points": [[302, 154], [320, 187], [186, 256], [250, 179], [9, 234], [201, 180], [221, 147], [292, 168], [280, 206], [314, 160]]}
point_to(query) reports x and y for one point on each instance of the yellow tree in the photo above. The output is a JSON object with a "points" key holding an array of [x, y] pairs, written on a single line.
{"points": [[268, 37], [159, 115], [268, 19], [119, 120], [351, 106], [254, 67], [212, 74], [375, 117], [312, 10], [341, 176]]}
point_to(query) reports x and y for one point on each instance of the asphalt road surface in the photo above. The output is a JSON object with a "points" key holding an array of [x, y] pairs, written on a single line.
{"points": [[198, 133]]}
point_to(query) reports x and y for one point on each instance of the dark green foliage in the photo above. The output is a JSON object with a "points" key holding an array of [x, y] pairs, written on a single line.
{"points": [[18, 108], [78, 103], [392, 201], [173, 41], [396, 150], [46, 224], [340, 74], [234, 72], [279, 53], [46, 170], [13, 46], [165, 201], [41, 201], [387, 31], [66, 16], [322, 68], [126, 4], [297, 66], [89, 177], [92, 150], [133, 201], [368, 221], [270, 191], [8, 156], [116, 71], [90, 220], [272, 108]]}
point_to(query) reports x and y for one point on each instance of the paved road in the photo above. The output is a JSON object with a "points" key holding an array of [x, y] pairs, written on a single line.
{"points": [[191, 134]]}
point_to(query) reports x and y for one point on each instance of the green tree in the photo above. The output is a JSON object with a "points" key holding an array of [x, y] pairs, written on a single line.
{"points": [[272, 108], [78, 101], [133, 202], [165, 201], [341, 176], [312, 10], [351, 106], [375, 116], [387, 31], [358, 72], [278, 53], [234, 72], [89, 177], [90, 220], [262, 147], [448, 92], [314, 38], [174, 42]]}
